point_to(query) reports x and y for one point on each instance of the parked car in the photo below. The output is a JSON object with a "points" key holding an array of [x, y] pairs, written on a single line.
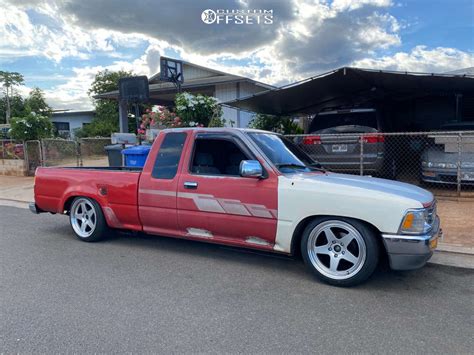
{"points": [[439, 163], [335, 142], [252, 189]]}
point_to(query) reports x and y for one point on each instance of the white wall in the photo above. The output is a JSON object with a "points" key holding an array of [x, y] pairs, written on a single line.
{"points": [[227, 92]]}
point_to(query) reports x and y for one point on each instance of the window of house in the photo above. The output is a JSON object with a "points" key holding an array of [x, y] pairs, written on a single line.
{"points": [[169, 155], [61, 126], [214, 156]]}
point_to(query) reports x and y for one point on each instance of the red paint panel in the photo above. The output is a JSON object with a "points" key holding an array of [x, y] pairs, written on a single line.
{"points": [[157, 197], [230, 208], [54, 186]]}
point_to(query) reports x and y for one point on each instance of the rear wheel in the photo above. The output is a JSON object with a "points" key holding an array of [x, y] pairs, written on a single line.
{"points": [[87, 220], [340, 251]]}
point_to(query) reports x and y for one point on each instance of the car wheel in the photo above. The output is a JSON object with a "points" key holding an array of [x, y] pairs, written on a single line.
{"points": [[87, 220], [340, 251]]}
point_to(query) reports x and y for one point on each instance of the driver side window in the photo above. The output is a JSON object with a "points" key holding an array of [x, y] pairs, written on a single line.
{"points": [[213, 156]]}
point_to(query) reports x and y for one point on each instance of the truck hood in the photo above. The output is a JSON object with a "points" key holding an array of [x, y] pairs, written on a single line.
{"points": [[369, 185]]}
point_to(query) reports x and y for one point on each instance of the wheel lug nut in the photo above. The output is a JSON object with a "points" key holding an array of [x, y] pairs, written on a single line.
{"points": [[335, 255], [329, 249], [342, 252]]}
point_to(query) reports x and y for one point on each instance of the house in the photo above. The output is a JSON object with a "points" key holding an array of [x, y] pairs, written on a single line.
{"points": [[66, 121], [201, 80]]}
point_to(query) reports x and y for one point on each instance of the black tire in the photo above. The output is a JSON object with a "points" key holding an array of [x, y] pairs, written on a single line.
{"points": [[320, 263], [96, 217]]}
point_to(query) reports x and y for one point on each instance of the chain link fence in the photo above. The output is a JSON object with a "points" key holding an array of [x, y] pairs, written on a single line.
{"points": [[92, 151], [62, 152], [11, 149], [442, 162], [33, 156]]}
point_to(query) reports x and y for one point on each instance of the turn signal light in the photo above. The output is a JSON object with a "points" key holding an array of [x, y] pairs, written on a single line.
{"points": [[408, 221]]}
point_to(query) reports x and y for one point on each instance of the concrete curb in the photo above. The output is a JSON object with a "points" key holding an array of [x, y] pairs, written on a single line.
{"points": [[445, 254], [454, 248], [13, 203], [465, 261]]}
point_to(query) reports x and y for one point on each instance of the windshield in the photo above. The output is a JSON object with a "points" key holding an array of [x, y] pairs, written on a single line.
{"points": [[283, 153]]}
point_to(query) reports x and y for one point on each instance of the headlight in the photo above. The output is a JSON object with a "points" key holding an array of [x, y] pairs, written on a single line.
{"points": [[416, 222]]}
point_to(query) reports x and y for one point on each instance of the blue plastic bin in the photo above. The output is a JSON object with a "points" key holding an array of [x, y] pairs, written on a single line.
{"points": [[136, 156]]}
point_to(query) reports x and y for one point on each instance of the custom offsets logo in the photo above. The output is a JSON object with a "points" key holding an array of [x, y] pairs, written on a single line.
{"points": [[237, 17]]}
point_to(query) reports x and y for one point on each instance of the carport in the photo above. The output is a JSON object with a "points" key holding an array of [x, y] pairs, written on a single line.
{"points": [[422, 100]]}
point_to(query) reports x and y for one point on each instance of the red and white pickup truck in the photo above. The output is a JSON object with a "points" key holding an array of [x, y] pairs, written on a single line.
{"points": [[252, 189]]}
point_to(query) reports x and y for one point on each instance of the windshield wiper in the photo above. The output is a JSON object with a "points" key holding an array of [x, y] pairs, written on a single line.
{"points": [[317, 166], [289, 165]]}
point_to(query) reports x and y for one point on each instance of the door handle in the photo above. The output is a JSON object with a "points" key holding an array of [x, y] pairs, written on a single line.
{"points": [[190, 185]]}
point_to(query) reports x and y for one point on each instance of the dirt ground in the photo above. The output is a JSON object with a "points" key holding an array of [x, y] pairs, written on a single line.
{"points": [[457, 221]]}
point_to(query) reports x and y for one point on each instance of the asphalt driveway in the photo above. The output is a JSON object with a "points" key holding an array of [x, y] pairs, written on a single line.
{"points": [[152, 294]]}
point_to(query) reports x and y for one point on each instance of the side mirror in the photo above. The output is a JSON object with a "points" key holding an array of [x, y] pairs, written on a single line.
{"points": [[251, 168]]}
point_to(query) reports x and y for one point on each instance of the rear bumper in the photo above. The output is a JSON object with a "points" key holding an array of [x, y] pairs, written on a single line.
{"points": [[409, 252], [447, 176], [34, 208]]}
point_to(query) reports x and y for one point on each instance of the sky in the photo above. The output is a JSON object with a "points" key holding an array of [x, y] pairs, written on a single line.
{"points": [[59, 45]]}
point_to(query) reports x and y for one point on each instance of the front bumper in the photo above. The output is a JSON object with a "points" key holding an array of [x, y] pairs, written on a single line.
{"points": [[447, 176], [408, 252]]}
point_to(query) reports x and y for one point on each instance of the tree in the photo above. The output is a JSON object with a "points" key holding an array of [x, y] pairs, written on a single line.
{"points": [[106, 120], [36, 102], [17, 107], [31, 127], [9, 80]]}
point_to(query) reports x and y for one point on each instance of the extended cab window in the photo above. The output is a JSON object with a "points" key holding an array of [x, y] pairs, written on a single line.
{"points": [[213, 156], [167, 160]]}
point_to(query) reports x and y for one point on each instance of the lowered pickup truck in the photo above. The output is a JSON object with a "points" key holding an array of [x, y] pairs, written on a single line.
{"points": [[252, 189]]}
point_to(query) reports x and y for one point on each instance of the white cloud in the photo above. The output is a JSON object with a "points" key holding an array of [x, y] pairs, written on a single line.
{"points": [[421, 59], [308, 37], [344, 5], [52, 34]]}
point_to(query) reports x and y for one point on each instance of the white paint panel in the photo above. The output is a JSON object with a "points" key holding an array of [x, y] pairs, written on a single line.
{"points": [[379, 202]]}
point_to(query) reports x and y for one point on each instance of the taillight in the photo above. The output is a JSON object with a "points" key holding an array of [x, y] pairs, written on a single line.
{"points": [[309, 140], [377, 138]]}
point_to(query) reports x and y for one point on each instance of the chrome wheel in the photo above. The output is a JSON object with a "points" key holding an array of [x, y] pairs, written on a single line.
{"points": [[336, 249], [83, 217]]}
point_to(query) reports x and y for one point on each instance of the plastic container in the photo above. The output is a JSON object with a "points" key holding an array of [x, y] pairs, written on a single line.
{"points": [[114, 154], [136, 156]]}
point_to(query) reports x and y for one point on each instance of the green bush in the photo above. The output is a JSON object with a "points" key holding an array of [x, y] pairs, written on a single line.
{"points": [[31, 127], [280, 124]]}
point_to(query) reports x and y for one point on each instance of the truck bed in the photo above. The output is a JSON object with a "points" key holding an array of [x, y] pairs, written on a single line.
{"points": [[114, 188], [106, 168]]}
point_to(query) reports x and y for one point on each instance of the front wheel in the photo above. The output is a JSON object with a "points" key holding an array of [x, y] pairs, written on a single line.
{"points": [[87, 220], [340, 251]]}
